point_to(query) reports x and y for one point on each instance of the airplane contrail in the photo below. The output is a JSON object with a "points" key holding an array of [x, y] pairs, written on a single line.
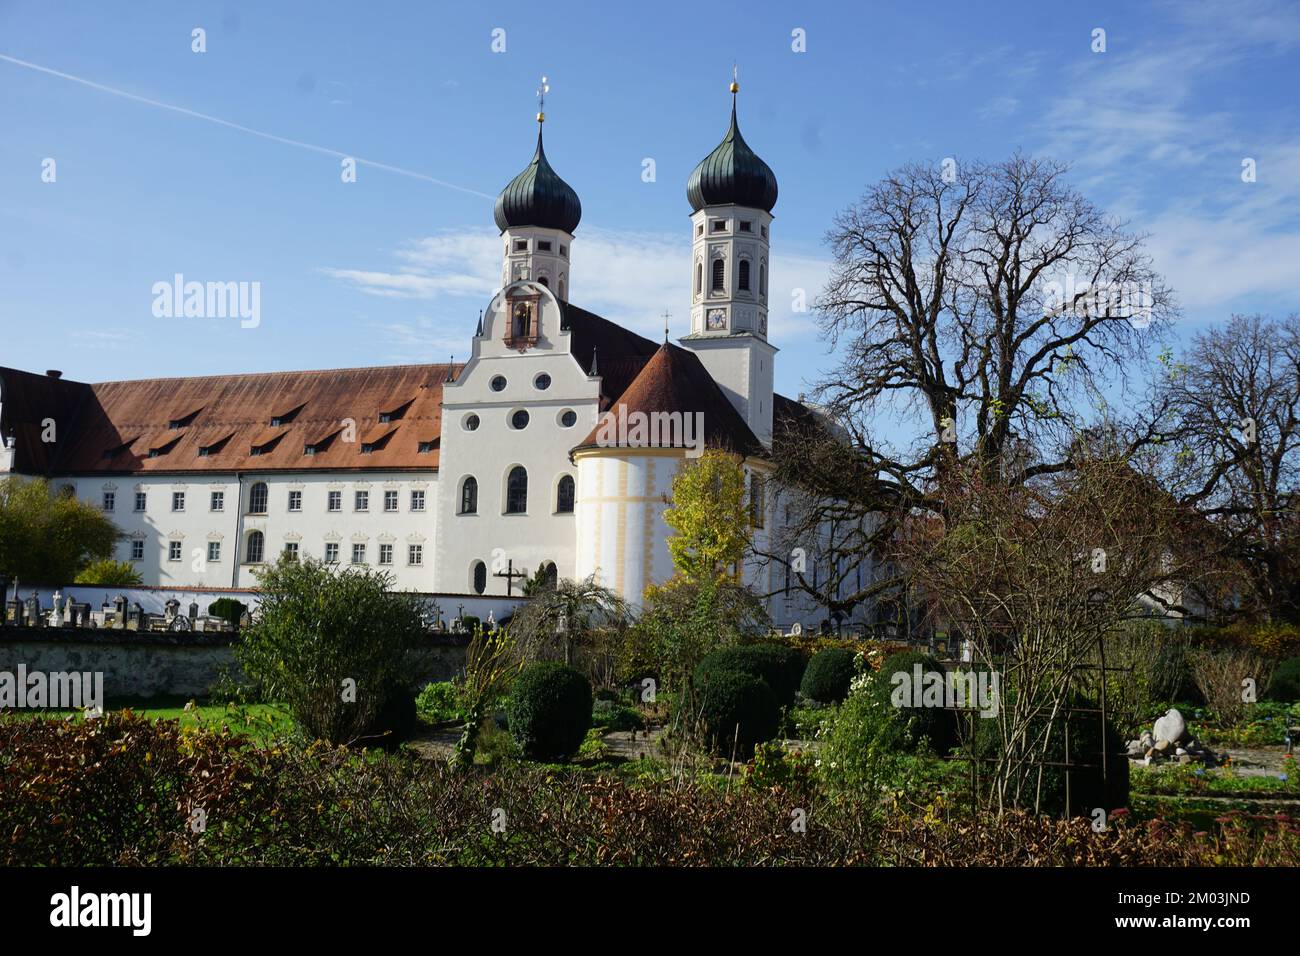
{"points": [[243, 129]]}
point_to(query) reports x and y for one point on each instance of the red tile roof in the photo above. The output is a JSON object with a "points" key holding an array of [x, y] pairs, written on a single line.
{"points": [[231, 414], [234, 411], [674, 380]]}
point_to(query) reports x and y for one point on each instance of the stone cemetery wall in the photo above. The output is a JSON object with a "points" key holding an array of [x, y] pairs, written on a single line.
{"points": [[152, 664]]}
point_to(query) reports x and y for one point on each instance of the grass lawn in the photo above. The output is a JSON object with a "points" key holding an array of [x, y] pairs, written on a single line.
{"points": [[262, 722]]}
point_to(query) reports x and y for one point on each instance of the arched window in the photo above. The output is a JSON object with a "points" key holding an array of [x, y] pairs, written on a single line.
{"points": [[545, 281], [257, 497], [517, 491], [562, 296], [744, 275], [564, 496], [719, 275], [762, 279], [255, 548], [469, 496], [478, 577], [699, 277], [552, 575]]}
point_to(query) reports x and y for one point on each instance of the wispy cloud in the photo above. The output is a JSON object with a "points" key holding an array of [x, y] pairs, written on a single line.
{"points": [[1135, 125], [629, 277]]}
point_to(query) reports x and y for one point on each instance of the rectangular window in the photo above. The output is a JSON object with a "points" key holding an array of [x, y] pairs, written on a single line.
{"points": [[110, 499], [746, 227], [385, 554], [415, 554], [390, 501], [173, 550], [291, 550], [362, 501], [720, 225], [137, 549], [358, 554], [543, 245], [336, 501], [218, 501], [214, 550], [521, 245], [140, 499], [757, 500], [331, 553], [417, 500], [295, 501], [178, 501]]}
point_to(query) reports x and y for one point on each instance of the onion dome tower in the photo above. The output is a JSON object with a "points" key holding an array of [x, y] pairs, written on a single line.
{"points": [[732, 193], [537, 213]]}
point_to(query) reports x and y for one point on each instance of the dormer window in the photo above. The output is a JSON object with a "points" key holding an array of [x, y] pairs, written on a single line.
{"points": [[213, 447], [425, 447], [309, 449], [284, 418], [164, 448], [394, 414], [184, 420]]}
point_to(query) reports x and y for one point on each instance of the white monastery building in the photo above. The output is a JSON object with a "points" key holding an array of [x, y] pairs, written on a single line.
{"points": [[452, 476]]}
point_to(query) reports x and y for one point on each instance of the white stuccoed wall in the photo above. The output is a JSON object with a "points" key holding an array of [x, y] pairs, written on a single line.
{"points": [[495, 447]]}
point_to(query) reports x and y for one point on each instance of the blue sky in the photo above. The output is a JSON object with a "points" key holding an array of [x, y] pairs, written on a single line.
{"points": [[393, 268]]}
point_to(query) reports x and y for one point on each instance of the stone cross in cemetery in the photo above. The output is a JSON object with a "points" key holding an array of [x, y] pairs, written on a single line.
{"points": [[56, 612]]}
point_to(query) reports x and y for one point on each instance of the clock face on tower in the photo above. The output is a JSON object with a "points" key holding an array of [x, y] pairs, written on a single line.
{"points": [[716, 319]]}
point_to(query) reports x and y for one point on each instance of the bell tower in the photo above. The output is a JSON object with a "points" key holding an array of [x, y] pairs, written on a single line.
{"points": [[732, 193], [537, 213]]}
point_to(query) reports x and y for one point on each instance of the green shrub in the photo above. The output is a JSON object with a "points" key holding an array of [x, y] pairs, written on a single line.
{"points": [[549, 711], [228, 609], [736, 711], [1285, 685], [936, 727], [396, 719], [612, 715], [470, 623], [331, 644], [864, 745], [828, 675], [780, 666], [439, 703]]}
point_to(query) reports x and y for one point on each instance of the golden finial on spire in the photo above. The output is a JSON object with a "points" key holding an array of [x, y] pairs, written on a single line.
{"points": [[541, 100], [735, 75]]}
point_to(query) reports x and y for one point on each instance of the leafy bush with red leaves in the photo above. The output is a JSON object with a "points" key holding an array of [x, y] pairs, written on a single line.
{"points": [[122, 790]]}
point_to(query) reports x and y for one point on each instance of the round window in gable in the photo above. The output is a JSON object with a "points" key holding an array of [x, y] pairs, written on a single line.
{"points": [[519, 420], [542, 382], [568, 418], [470, 423], [498, 383]]}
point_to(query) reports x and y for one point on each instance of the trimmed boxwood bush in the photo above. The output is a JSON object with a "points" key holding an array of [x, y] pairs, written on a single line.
{"points": [[397, 717], [828, 675], [1285, 684], [936, 726], [228, 609], [549, 711], [737, 710], [780, 666]]}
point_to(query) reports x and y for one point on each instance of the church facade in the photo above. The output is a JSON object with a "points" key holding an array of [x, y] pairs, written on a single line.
{"points": [[553, 446]]}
